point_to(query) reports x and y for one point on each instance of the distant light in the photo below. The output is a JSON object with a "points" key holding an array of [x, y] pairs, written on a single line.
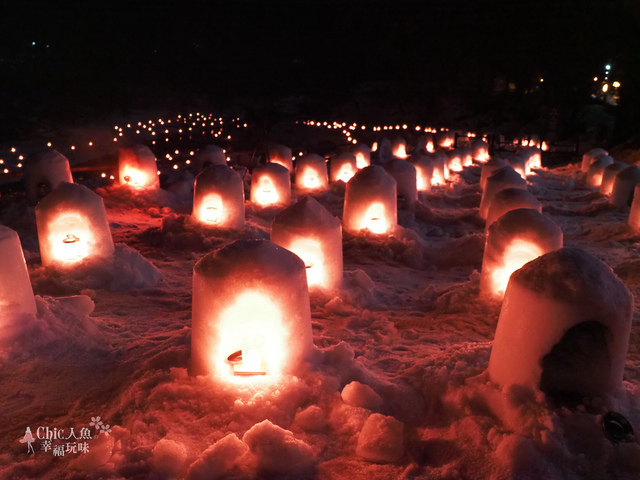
{"points": [[73, 147], [605, 87], [33, 44], [616, 84], [595, 79], [91, 144], [103, 175], [541, 80], [21, 157], [48, 144], [13, 149], [607, 67]]}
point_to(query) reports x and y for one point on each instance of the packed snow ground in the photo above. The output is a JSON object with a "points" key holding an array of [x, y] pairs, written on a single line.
{"points": [[398, 389]]}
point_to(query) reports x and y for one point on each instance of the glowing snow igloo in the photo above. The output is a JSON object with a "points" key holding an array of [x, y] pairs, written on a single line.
{"points": [[218, 198], [511, 199], [503, 178], [370, 202], [440, 162], [16, 294], [384, 151], [209, 155], [138, 168], [311, 173], [362, 154], [489, 168], [609, 176], [424, 144], [634, 214], [405, 176], [446, 139], [311, 232], [281, 155], [270, 185], [44, 172], [516, 238], [467, 156], [72, 226], [455, 160], [480, 151], [519, 164], [424, 171], [590, 156], [596, 170], [343, 167], [623, 185], [251, 313], [399, 148], [563, 328]]}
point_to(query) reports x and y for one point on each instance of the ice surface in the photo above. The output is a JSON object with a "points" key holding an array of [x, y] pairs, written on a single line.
{"points": [[566, 290], [623, 185], [381, 439], [370, 202], [311, 232], [72, 226], [510, 199], [311, 173], [43, 172], [218, 198]]}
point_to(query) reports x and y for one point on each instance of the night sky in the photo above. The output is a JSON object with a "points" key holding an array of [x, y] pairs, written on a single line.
{"points": [[433, 59]]}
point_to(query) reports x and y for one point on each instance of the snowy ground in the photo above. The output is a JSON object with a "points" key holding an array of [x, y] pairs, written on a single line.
{"points": [[408, 325]]}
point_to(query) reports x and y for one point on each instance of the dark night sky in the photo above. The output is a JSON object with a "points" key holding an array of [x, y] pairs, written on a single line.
{"points": [[117, 55]]}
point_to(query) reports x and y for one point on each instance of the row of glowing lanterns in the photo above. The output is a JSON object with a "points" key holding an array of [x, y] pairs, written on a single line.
{"points": [[73, 226]]}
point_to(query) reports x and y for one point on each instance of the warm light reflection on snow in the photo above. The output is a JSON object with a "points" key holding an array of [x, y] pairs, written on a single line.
{"points": [[252, 324], [515, 256]]}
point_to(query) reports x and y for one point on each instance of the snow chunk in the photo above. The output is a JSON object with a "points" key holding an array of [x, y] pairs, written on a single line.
{"points": [[311, 419], [169, 457], [357, 394], [381, 439], [278, 452], [228, 456]]}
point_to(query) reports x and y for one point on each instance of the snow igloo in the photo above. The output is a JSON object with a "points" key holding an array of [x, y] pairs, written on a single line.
{"points": [[311, 173], [209, 155], [516, 238], [251, 313], [634, 214], [596, 170], [270, 186], [16, 294], [440, 174], [362, 154], [503, 178], [370, 202], [424, 171], [590, 156], [138, 168], [511, 199], [405, 176], [281, 155], [218, 198], [343, 167], [564, 327], [480, 151], [609, 176], [72, 226], [446, 139], [424, 144], [489, 168], [399, 148], [308, 229], [455, 160], [44, 172], [623, 186]]}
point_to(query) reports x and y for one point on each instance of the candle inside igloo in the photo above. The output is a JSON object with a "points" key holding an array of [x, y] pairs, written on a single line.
{"points": [[480, 151], [516, 238], [251, 312], [43, 172], [455, 160], [311, 173], [440, 162], [311, 232], [138, 167], [510, 199], [590, 156], [209, 155], [399, 148], [281, 155], [623, 185], [16, 294], [362, 154], [270, 185], [564, 327], [343, 167], [596, 169], [370, 202], [505, 177], [405, 176], [424, 144], [218, 198], [72, 226]]}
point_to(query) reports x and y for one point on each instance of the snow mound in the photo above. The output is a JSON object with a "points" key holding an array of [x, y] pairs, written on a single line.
{"points": [[357, 394], [381, 439]]}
